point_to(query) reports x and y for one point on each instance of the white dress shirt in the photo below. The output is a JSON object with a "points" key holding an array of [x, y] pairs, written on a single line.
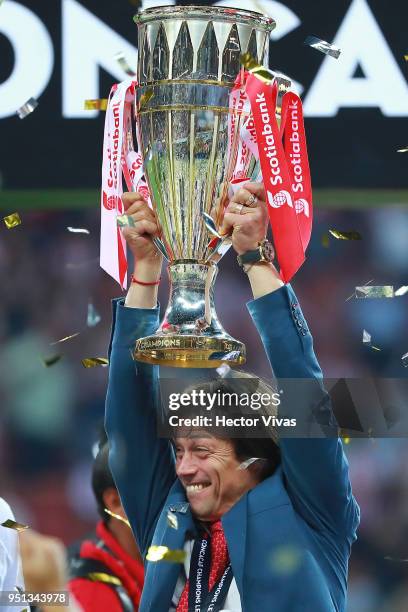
{"points": [[233, 599], [11, 575]]}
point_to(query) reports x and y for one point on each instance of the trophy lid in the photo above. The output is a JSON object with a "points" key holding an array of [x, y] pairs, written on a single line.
{"points": [[215, 13]]}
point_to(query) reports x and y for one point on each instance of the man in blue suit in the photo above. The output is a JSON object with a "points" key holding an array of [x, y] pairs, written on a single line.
{"points": [[255, 541]]}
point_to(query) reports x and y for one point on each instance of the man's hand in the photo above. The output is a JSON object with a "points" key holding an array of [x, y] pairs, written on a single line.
{"points": [[246, 217], [139, 238], [148, 260], [44, 562]]}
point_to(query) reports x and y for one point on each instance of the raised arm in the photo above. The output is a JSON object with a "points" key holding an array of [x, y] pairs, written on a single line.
{"points": [[315, 469], [141, 463]]}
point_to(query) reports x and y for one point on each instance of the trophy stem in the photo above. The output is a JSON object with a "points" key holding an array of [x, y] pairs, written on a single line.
{"points": [[191, 334]]}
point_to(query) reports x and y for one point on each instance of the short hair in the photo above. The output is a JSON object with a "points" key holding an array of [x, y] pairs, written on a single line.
{"points": [[266, 445], [102, 478]]}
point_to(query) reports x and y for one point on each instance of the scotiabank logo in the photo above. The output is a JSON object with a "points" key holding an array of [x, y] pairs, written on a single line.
{"points": [[302, 206], [283, 197], [280, 199], [144, 191], [111, 202]]}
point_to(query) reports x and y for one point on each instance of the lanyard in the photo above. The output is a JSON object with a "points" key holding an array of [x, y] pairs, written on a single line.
{"points": [[200, 599]]}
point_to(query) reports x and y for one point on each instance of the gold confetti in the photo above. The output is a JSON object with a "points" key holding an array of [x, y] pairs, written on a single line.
{"points": [[404, 360], [346, 440], [323, 46], [285, 559], [102, 577], [163, 553], [27, 108], [406, 58], [172, 520], [12, 220], [260, 72], [144, 98], [65, 339], [50, 361], [380, 291], [98, 104], [93, 362], [401, 291], [117, 516], [78, 230], [10, 524], [125, 221], [93, 317], [345, 235], [325, 241], [405, 150], [122, 61]]}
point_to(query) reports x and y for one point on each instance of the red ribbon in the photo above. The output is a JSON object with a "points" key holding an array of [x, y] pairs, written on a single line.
{"points": [[293, 129], [278, 179]]}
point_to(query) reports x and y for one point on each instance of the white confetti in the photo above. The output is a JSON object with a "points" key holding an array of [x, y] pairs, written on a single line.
{"points": [[245, 464], [78, 230], [223, 370], [27, 108], [93, 316], [401, 291], [323, 46]]}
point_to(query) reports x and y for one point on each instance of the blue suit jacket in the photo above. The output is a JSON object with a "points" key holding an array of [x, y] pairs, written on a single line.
{"points": [[289, 538]]}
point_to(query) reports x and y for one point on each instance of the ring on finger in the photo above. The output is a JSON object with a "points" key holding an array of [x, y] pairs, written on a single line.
{"points": [[238, 209], [252, 201], [236, 228]]}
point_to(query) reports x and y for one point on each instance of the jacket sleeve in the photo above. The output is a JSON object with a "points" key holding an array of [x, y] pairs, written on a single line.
{"points": [[315, 469], [141, 463]]}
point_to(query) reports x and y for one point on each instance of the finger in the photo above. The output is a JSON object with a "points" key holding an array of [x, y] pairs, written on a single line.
{"points": [[129, 198], [145, 227], [240, 209], [256, 189], [230, 219], [141, 212]]}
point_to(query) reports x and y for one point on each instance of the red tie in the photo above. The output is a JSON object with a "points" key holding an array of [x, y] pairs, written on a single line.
{"points": [[219, 562]]}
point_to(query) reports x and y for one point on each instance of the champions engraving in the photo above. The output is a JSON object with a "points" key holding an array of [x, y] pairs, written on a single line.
{"points": [[156, 343]]}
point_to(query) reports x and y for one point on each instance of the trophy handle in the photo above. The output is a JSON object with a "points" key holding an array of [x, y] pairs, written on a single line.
{"points": [[160, 247], [218, 245]]}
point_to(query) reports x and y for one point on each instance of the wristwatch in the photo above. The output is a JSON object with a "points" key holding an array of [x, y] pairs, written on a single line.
{"points": [[264, 252]]}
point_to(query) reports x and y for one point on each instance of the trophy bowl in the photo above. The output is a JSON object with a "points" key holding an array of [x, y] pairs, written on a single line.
{"points": [[188, 123]]}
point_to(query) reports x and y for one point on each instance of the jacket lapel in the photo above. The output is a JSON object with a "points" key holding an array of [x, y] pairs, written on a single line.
{"points": [[234, 523], [162, 576]]}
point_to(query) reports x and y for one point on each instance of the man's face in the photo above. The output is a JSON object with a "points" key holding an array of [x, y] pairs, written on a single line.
{"points": [[208, 469]]}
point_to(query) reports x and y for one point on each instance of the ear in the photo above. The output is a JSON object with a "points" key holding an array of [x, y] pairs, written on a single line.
{"points": [[112, 501]]}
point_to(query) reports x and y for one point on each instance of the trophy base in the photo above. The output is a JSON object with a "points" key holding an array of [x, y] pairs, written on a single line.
{"points": [[185, 351]]}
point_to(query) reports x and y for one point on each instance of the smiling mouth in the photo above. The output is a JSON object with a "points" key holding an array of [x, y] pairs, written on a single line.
{"points": [[196, 488]]}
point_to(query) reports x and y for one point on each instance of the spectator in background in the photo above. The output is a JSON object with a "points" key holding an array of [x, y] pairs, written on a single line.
{"points": [[111, 553], [44, 566]]}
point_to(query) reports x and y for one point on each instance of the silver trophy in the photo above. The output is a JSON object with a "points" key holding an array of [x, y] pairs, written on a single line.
{"points": [[188, 130]]}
